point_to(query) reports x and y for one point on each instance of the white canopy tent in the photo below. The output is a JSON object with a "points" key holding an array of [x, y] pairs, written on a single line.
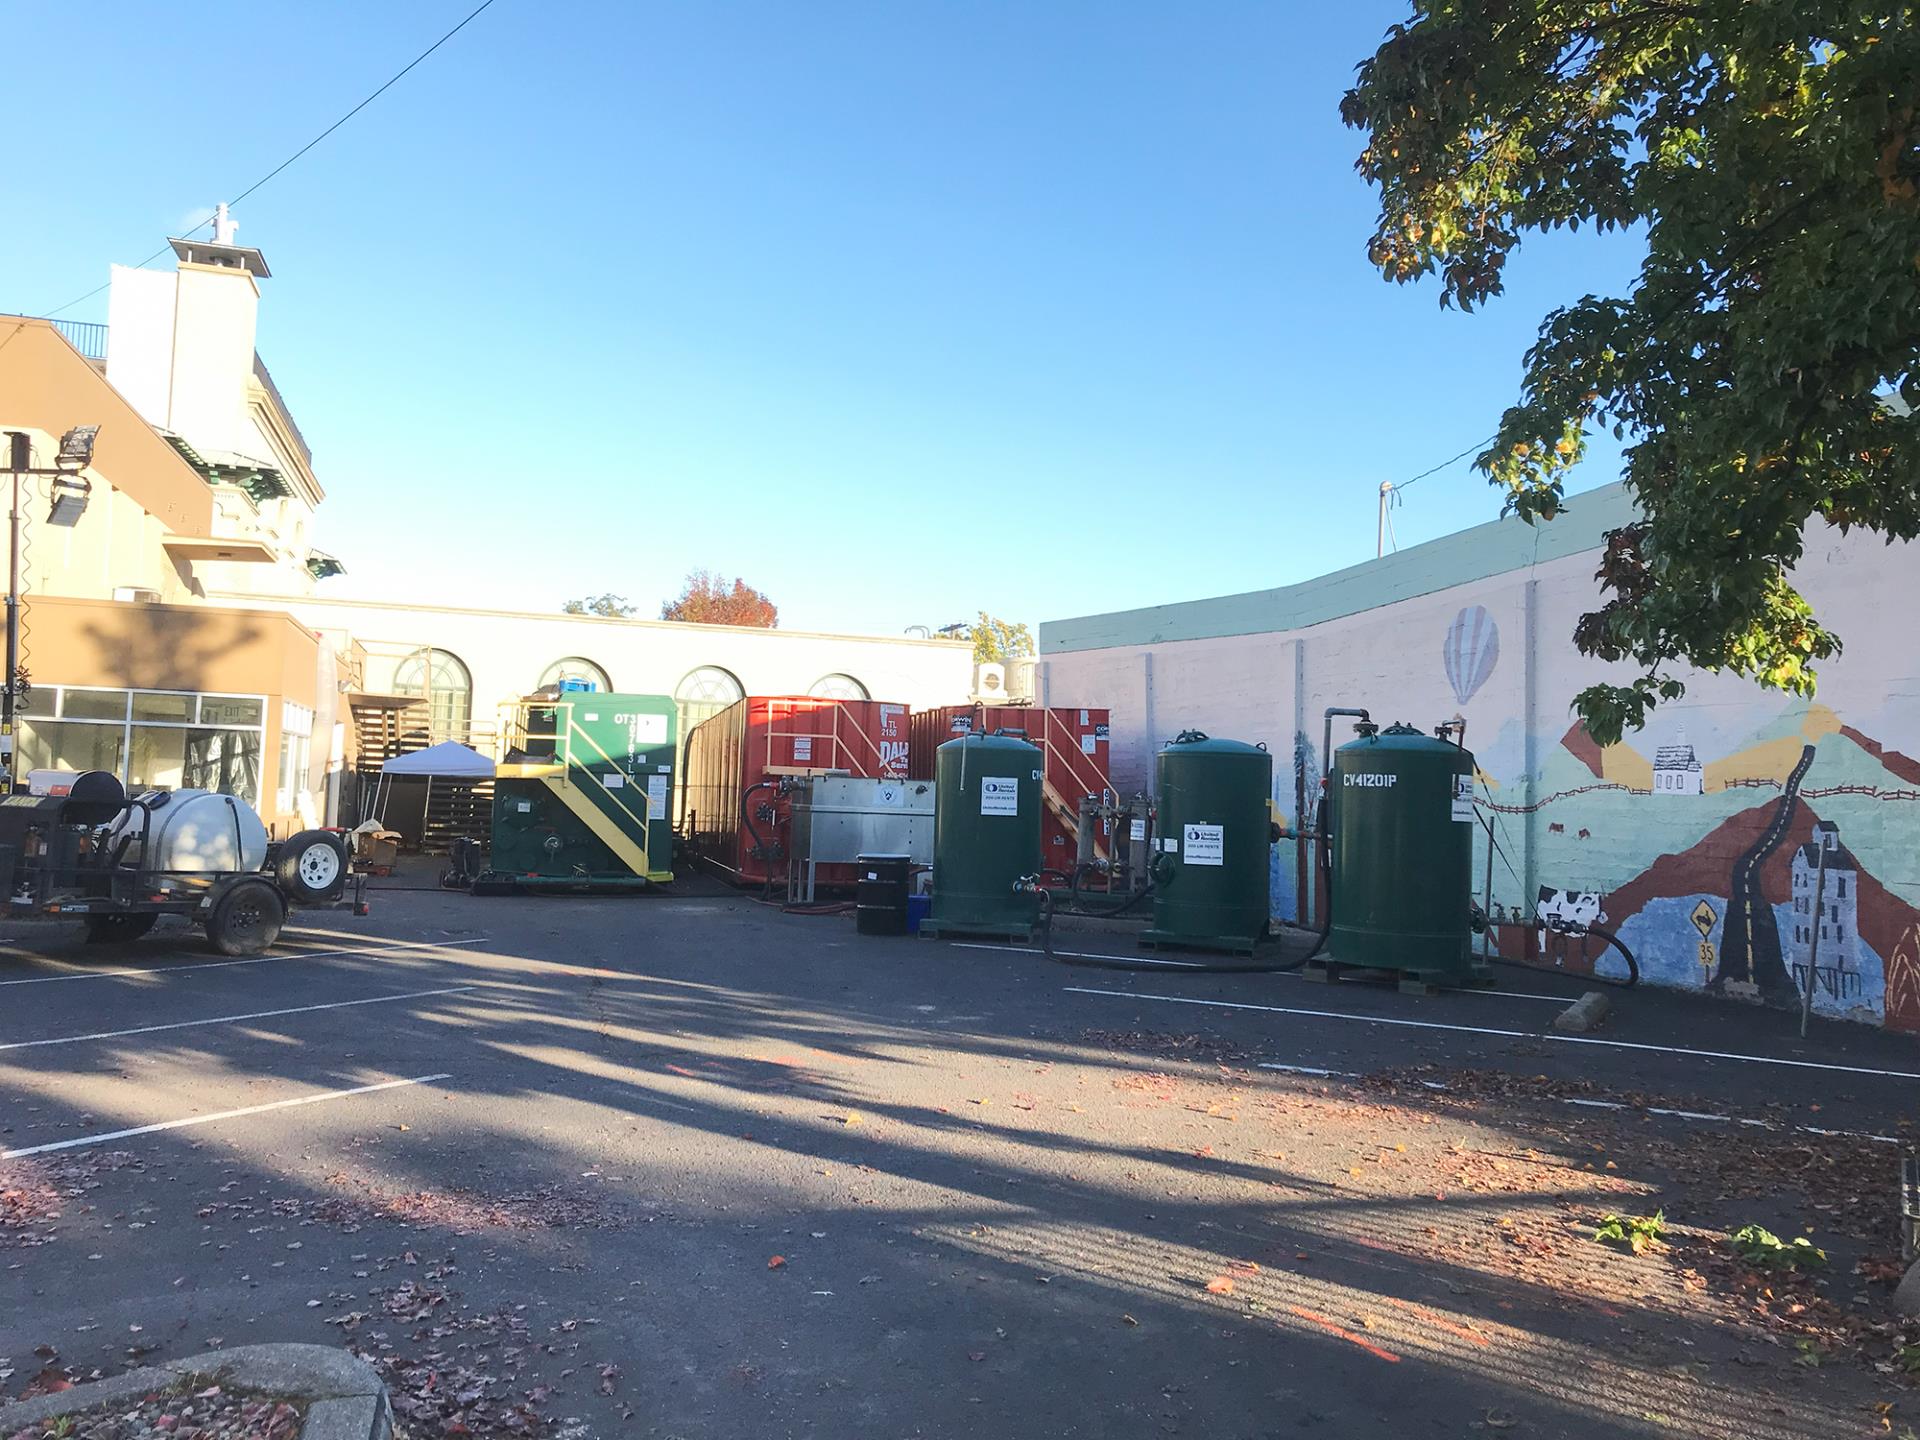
{"points": [[449, 760]]}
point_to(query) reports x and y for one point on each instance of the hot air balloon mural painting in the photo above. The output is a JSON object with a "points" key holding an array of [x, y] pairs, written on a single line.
{"points": [[1471, 651]]}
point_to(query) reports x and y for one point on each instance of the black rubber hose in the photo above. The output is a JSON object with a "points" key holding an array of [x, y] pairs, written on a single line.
{"points": [[1144, 966], [760, 849], [1325, 834], [1633, 965], [1081, 907]]}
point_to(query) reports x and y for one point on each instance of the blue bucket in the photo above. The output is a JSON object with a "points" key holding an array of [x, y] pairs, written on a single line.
{"points": [[918, 908]]}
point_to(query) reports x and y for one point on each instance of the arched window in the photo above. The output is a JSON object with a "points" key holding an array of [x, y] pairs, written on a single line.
{"points": [[838, 687], [442, 681], [703, 691], [574, 667]]}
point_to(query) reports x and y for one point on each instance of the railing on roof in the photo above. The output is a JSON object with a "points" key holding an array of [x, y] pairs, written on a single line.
{"points": [[89, 337], [260, 373]]}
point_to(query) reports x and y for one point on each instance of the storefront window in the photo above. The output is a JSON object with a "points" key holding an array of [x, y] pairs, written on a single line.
{"points": [[51, 745], [155, 705], [241, 710], [159, 758], [151, 739], [93, 704], [224, 760]]}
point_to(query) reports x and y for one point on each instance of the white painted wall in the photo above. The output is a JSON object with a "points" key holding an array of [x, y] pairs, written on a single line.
{"points": [[180, 349], [506, 651], [140, 338]]}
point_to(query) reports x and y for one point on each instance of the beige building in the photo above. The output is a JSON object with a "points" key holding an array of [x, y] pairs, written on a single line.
{"points": [[174, 630]]}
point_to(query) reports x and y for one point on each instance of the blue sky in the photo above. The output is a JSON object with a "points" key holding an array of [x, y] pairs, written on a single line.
{"points": [[899, 310]]}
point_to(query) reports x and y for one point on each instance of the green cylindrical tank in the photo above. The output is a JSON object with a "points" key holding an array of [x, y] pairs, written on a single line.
{"points": [[986, 836], [1400, 804], [1210, 875]]}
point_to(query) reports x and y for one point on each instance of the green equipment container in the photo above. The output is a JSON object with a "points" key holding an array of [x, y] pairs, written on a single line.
{"points": [[986, 836], [1211, 872], [1400, 808], [581, 800]]}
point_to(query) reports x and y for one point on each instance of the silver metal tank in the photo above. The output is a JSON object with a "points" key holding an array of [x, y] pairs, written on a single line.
{"points": [[197, 832]]}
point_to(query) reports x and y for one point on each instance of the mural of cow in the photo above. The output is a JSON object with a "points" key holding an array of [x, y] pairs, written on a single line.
{"points": [[1568, 912]]}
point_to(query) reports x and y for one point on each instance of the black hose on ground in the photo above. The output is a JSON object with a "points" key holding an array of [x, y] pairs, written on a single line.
{"points": [[1633, 965], [1081, 907], [1085, 962]]}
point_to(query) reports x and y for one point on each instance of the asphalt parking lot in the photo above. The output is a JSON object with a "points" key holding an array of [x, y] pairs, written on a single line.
{"points": [[692, 1167]]}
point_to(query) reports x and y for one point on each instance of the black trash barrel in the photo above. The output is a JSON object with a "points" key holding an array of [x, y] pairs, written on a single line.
{"points": [[880, 895]]}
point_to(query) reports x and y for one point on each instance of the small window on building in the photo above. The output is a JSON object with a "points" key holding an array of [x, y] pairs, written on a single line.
{"points": [[1842, 880], [443, 681], [838, 687], [703, 691], [575, 668]]}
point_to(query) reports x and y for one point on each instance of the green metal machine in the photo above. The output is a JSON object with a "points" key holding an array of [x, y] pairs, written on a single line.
{"points": [[1401, 817], [986, 836], [1210, 876], [581, 801]]}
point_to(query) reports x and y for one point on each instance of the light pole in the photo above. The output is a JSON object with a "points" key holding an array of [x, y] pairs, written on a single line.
{"points": [[69, 499]]}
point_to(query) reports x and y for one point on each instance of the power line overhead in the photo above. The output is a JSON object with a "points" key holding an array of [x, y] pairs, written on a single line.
{"points": [[391, 81]]}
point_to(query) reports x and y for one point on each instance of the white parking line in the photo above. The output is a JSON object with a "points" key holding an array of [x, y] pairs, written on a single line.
{"points": [[1082, 955], [1201, 965], [1696, 1115], [1503, 1034], [105, 1136], [395, 949], [233, 1019]]}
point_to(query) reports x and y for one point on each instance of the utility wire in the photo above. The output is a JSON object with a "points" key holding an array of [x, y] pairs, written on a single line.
{"points": [[1450, 460], [391, 82]]}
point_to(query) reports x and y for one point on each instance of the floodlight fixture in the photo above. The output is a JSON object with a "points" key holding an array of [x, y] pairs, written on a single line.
{"points": [[67, 497], [76, 448]]}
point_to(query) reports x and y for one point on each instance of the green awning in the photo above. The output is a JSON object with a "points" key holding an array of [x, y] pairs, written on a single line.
{"points": [[261, 481], [323, 566]]}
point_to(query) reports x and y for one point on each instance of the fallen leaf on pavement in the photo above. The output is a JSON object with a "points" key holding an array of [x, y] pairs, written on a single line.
{"points": [[1220, 1285], [776, 1261]]}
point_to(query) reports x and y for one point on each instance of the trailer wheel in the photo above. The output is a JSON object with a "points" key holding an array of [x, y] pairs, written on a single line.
{"points": [[247, 919], [312, 867], [117, 929]]}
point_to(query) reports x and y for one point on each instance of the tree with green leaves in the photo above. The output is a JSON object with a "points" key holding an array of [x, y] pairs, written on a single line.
{"points": [[1764, 370], [998, 640], [607, 607]]}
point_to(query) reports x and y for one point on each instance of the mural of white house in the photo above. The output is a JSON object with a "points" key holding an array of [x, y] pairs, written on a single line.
{"points": [[1677, 770]]}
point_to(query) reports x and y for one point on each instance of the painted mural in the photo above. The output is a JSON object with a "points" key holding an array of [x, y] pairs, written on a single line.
{"points": [[1745, 845], [1744, 883]]}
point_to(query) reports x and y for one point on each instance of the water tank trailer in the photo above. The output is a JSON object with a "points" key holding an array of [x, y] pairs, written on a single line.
{"points": [[76, 844]]}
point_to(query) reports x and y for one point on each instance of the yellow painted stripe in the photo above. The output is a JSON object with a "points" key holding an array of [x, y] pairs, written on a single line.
{"points": [[602, 825]]}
